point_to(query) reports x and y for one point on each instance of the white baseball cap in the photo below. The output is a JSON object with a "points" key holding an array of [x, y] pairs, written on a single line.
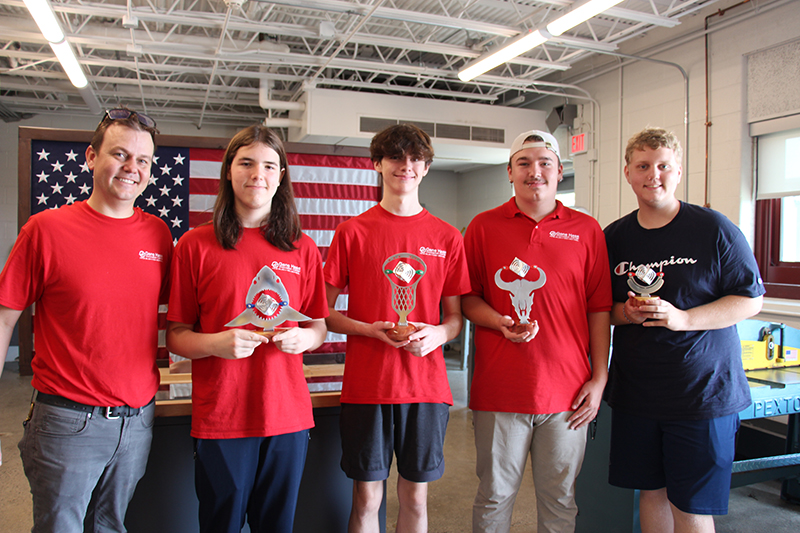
{"points": [[549, 142]]}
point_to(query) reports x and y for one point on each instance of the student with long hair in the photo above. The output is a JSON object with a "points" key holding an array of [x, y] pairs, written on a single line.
{"points": [[251, 409]]}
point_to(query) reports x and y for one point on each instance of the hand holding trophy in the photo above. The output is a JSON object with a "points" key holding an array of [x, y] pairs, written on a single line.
{"points": [[650, 280], [404, 291], [521, 293]]}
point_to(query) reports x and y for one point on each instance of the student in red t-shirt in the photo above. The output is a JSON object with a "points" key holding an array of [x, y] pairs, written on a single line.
{"points": [[251, 409], [395, 394]]}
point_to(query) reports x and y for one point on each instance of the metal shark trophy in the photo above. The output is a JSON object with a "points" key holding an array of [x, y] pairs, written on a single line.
{"points": [[267, 304], [521, 292], [649, 284], [404, 297]]}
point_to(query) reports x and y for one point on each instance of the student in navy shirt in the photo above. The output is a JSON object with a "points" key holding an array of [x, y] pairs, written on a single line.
{"points": [[676, 383]]}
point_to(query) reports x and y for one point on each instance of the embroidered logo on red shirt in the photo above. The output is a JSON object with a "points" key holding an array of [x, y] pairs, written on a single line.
{"points": [[294, 269], [151, 256], [433, 252], [565, 236]]}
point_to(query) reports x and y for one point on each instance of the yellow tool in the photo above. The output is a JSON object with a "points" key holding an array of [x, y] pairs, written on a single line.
{"points": [[767, 353]]}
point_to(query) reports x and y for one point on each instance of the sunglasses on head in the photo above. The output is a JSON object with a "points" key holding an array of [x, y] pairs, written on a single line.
{"points": [[122, 114]]}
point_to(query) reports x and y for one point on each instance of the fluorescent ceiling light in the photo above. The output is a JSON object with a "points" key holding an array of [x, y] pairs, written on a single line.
{"points": [[70, 63], [518, 46], [578, 15], [45, 18]]}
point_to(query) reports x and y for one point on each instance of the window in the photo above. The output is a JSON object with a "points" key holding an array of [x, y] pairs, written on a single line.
{"points": [[778, 210], [790, 230], [778, 245]]}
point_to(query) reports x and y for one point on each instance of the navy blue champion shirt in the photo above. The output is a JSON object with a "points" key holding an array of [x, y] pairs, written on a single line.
{"points": [[680, 375]]}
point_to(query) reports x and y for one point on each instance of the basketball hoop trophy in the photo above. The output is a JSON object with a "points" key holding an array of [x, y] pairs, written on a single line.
{"points": [[404, 294], [650, 280], [521, 292]]}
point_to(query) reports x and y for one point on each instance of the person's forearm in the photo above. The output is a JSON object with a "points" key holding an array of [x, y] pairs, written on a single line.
{"points": [[453, 320], [8, 319], [479, 312], [339, 323], [318, 330], [184, 341], [617, 314], [722, 313], [599, 344]]}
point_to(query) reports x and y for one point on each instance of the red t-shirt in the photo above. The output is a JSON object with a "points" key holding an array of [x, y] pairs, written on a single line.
{"points": [[376, 373], [265, 394], [544, 375], [97, 283]]}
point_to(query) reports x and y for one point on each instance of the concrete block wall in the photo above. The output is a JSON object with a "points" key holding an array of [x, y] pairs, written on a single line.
{"points": [[439, 194]]}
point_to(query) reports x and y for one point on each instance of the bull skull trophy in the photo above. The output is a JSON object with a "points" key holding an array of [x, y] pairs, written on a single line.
{"points": [[521, 292]]}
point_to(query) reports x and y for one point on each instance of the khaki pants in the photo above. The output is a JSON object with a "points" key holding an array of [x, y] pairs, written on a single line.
{"points": [[503, 442]]}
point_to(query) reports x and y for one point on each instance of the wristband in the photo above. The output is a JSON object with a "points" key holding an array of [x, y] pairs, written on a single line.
{"points": [[624, 314]]}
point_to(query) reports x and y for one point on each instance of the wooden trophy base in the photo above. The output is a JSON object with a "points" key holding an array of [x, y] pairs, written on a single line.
{"points": [[270, 334], [643, 299], [519, 329], [401, 333]]}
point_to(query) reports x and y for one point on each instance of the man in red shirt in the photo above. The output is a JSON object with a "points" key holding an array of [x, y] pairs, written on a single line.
{"points": [[540, 301], [97, 271]]}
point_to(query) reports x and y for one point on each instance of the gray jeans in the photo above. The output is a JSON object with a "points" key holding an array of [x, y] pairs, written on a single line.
{"points": [[83, 468]]}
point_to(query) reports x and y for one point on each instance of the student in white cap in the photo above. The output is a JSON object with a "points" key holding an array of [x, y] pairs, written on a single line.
{"points": [[540, 299]]}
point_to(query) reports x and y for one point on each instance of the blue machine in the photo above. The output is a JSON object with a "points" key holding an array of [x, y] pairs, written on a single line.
{"points": [[774, 380], [775, 388]]}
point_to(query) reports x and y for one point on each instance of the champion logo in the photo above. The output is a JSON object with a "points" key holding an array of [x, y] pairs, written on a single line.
{"points": [[151, 256], [623, 267], [433, 252], [285, 267], [564, 236]]}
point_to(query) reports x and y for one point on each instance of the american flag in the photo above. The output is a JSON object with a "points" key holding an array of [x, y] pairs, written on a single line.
{"points": [[183, 185]]}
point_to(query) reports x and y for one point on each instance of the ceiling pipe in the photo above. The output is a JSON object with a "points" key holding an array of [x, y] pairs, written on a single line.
{"points": [[343, 43], [88, 95], [707, 123], [265, 87], [282, 122], [231, 4]]}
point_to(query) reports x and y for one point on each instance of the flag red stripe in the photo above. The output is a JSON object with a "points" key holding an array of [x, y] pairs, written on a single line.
{"points": [[204, 186], [207, 154], [199, 217], [336, 161], [335, 191], [328, 222]]}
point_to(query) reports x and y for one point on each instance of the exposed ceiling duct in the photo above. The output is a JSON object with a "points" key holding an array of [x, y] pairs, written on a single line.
{"points": [[202, 61]]}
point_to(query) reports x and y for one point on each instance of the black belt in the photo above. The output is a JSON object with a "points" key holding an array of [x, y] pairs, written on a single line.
{"points": [[108, 412]]}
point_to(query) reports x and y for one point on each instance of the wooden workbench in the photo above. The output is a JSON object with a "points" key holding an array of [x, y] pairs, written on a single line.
{"points": [[183, 406]]}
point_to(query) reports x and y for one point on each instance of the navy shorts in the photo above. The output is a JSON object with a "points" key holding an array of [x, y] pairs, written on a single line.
{"points": [[414, 432], [691, 458]]}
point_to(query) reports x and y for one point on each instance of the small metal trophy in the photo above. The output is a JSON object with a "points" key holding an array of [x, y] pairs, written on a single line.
{"points": [[267, 304], [650, 280], [404, 296], [521, 292]]}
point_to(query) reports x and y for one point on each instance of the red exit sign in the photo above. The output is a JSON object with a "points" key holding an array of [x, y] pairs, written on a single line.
{"points": [[578, 144]]}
